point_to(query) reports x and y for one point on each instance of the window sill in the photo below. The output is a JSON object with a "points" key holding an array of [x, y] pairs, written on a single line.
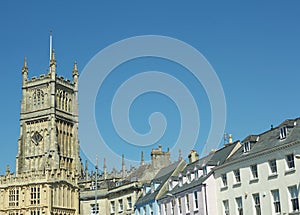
{"points": [[290, 171], [224, 188], [253, 180], [237, 184], [273, 175], [294, 213]]}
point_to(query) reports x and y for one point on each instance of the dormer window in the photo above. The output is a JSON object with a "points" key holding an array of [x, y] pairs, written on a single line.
{"points": [[196, 173], [283, 132], [204, 170], [152, 187], [144, 191], [180, 181], [249, 141], [189, 179], [170, 185], [247, 147]]}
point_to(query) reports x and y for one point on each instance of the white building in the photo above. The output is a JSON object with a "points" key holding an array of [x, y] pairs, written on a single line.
{"points": [[193, 191], [263, 176]]}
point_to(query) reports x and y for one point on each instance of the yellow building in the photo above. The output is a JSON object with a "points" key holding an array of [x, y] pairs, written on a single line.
{"points": [[48, 162]]}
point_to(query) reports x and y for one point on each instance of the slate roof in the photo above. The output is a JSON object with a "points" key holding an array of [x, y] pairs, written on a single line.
{"points": [[213, 159], [161, 177], [187, 186], [270, 139], [144, 173]]}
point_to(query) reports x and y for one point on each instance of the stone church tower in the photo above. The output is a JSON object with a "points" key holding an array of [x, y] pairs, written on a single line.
{"points": [[48, 163]]}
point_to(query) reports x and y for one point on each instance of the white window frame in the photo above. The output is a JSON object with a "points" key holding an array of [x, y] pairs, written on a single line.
{"points": [[226, 207], [290, 161], [112, 207], [256, 201], [273, 166], [187, 203], [294, 198], [129, 203], [283, 132], [224, 180], [247, 146], [254, 171], [237, 175], [239, 205], [276, 201], [195, 196], [121, 205], [179, 205]]}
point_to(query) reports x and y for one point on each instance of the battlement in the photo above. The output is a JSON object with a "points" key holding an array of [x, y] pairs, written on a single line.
{"points": [[37, 177]]}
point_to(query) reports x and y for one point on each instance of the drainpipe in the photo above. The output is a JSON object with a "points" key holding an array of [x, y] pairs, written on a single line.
{"points": [[205, 199]]}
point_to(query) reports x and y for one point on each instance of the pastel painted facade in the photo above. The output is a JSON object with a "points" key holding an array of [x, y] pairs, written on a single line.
{"points": [[147, 203], [193, 190], [263, 176]]}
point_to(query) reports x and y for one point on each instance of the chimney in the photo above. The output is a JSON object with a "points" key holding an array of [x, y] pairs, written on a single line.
{"points": [[230, 138], [193, 156], [160, 148]]}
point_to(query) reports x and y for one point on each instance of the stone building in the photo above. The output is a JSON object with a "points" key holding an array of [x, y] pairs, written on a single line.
{"points": [[118, 191], [48, 162]]}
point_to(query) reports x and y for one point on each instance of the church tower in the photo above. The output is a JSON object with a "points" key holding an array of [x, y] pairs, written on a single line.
{"points": [[48, 163], [48, 123]]}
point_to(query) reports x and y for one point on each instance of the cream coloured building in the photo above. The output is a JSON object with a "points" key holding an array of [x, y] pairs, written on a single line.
{"points": [[263, 176], [48, 162], [118, 191]]}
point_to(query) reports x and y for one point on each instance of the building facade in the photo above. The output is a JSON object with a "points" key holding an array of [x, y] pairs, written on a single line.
{"points": [[48, 163], [193, 191], [118, 191], [262, 177], [151, 192]]}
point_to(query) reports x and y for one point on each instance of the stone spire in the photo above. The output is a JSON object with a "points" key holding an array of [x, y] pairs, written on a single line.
{"points": [[52, 64], [25, 71], [123, 166], [142, 159], [104, 169]]}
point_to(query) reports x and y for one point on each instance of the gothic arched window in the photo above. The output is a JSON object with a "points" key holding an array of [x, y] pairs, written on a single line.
{"points": [[38, 97]]}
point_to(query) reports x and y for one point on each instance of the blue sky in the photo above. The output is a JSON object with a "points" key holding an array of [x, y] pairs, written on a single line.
{"points": [[253, 47]]}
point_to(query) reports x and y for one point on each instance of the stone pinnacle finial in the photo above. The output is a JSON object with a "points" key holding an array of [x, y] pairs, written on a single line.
{"points": [[179, 155], [52, 56], [123, 166], [24, 71], [142, 159], [75, 67], [25, 68], [7, 170], [75, 72], [52, 64], [86, 170], [104, 163]]}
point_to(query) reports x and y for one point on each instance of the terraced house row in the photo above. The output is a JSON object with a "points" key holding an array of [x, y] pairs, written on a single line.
{"points": [[259, 175]]}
